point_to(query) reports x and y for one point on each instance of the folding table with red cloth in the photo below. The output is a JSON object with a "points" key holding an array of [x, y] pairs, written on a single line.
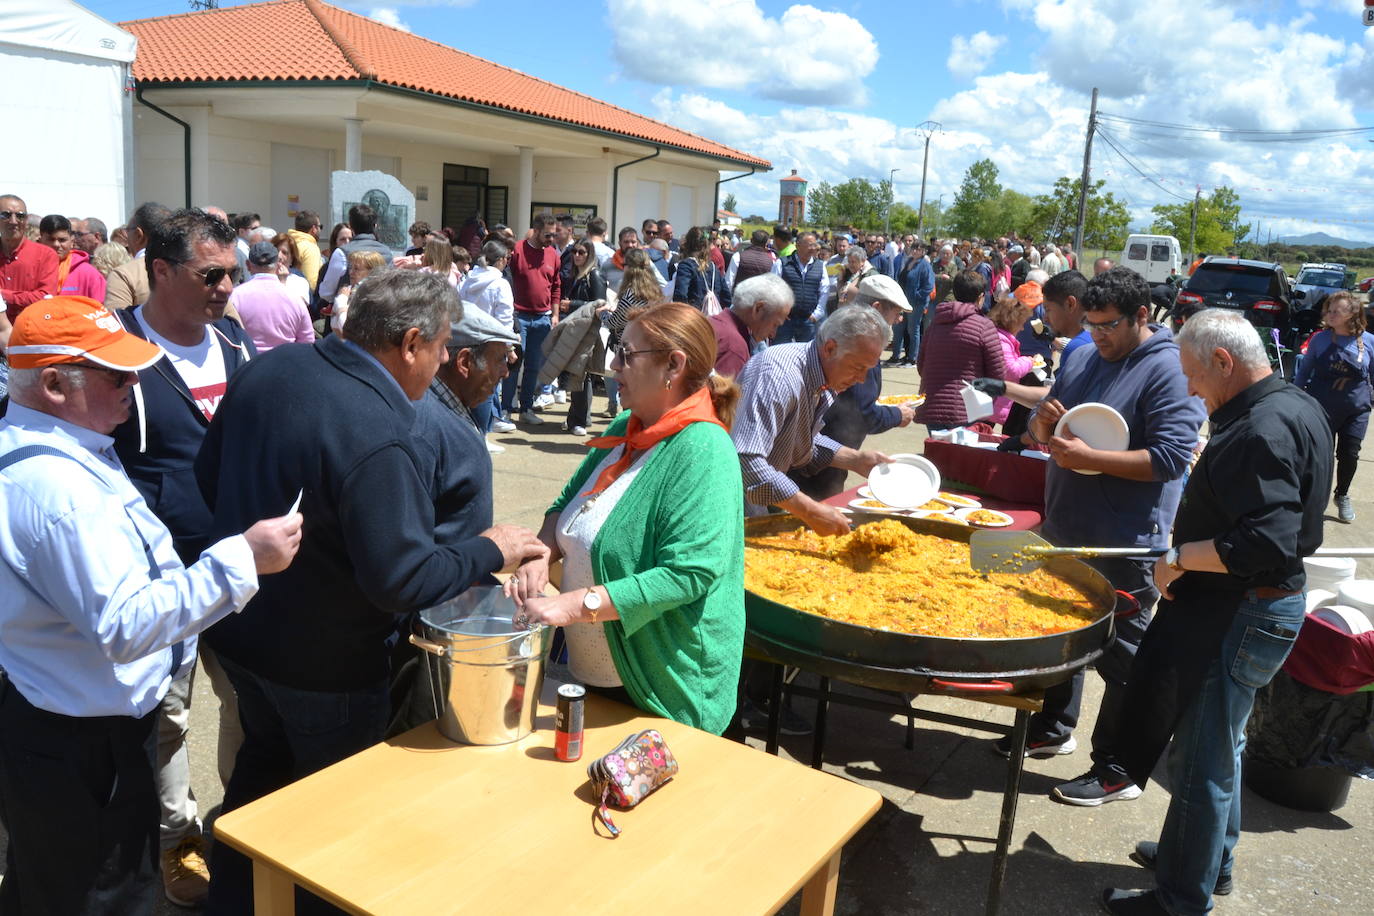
{"points": [[1002, 475]]}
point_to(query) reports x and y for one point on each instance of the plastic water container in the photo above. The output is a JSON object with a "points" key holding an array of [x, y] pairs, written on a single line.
{"points": [[1328, 572]]}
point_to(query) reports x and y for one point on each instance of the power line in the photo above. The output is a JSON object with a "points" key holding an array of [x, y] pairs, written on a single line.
{"points": [[1255, 135], [1110, 141]]}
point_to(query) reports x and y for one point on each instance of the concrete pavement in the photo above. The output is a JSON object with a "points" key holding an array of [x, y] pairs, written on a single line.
{"points": [[929, 849]]}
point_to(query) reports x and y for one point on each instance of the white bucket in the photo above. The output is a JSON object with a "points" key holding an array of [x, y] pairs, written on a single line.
{"points": [[1328, 572], [1357, 593]]}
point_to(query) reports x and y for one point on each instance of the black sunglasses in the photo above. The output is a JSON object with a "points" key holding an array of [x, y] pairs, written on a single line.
{"points": [[19, 215], [212, 276], [625, 356], [120, 377]]}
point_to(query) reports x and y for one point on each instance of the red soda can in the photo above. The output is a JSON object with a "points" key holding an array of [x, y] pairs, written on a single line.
{"points": [[567, 736]]}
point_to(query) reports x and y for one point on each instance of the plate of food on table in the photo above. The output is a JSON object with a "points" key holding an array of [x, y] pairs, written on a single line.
{"points": [[958, 500], [985, 518]]}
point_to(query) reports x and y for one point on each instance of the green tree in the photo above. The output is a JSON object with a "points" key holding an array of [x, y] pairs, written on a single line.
{"points": [[904, 218], [857, 202], [729, 203], [975, 203], [1055, 215], [1011, 212], [1218, 221]]}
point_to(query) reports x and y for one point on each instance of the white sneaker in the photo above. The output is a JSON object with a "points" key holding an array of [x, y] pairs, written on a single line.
{"points": [[544, 400], [560, 396], [530, 418], [502, 426], [578, 430], [494, 449]]}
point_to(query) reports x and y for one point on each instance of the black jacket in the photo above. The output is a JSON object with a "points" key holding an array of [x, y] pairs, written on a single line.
{"points": [[327, 419], [158, 443]]}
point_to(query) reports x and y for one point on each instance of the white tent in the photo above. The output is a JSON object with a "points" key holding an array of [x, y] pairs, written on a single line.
{"points": [[67, 108]]}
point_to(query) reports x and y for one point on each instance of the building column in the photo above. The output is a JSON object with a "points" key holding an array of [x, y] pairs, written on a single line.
{"points": [[353, 144], [202, 194], [524, 191]]}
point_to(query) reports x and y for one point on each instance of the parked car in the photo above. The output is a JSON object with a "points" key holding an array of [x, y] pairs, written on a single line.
{"points": [[1257, 288], [1154, 257], [1313, 284], [1367, 286]]}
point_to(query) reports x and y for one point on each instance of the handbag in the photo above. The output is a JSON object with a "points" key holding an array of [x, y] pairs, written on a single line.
{"points": [[710, 304], [629, 774]]}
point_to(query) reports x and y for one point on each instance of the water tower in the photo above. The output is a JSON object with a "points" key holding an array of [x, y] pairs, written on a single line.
{"points": [[792, 200]]}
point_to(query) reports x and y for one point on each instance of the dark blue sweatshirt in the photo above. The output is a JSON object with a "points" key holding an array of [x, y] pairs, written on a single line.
{"points": [[1148, 388]]}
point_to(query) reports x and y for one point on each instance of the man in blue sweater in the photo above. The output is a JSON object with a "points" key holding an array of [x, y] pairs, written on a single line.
{"points": [[1113, 499], [309, 657]]}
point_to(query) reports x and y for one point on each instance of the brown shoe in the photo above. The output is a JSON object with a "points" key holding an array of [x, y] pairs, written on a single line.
{"points": [[185, 876]]}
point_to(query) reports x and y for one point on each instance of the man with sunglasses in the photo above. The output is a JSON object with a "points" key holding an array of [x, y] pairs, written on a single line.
{"points": [[1105, 498], [98, 618], [191, 271], [28, 270]]}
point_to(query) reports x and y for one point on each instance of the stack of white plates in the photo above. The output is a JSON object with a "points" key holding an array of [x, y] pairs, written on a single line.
{"points": [[1099, 425], [1346, 619], [1319, 597], [1358, 594], [1328, 572], [909, 481]]}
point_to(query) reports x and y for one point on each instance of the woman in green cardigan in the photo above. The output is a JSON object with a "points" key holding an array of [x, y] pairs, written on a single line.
{"points": [[651, 533]]}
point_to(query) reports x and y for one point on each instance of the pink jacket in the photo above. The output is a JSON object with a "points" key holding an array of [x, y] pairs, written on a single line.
{"points": [[960, 345], [1014, 366], [82, 278]]}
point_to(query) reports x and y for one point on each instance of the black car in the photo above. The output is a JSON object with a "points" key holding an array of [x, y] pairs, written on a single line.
{"points": [[1257, 288]]}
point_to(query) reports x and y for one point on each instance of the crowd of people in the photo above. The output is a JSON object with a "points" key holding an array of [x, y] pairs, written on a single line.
{"points": [[285, 448]]}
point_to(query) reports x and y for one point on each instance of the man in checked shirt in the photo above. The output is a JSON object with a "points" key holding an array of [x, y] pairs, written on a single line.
{"points": [[786, 391]]}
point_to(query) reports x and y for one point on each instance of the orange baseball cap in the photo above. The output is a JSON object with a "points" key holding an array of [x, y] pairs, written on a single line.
{"points": [[74, 329], [1029, 294]]}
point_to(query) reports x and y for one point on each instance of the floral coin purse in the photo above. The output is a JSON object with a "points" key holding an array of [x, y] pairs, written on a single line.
{"points": [[629, 774]]}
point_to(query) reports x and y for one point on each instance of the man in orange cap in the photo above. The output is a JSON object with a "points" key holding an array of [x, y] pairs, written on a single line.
{"points": [[97, 617]]}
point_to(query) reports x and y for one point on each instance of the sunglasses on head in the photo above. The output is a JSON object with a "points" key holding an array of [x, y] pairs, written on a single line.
{"points": [[212, 276]]}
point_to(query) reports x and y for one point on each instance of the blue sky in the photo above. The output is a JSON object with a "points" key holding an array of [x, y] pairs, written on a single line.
{"points": [[836, 90]]}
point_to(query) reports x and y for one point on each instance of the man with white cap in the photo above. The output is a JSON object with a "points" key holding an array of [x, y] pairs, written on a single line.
{"points": [[97, 617], [856, 413]]}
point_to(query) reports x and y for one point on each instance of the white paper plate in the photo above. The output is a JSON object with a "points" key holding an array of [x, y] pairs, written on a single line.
{"points": [[858, 505], [1035, 453], [1357, 593], [1004, 520], [1346, 619], [1099, 425], [865, 492], [958, 501], [1318, 597], [905, 483]]}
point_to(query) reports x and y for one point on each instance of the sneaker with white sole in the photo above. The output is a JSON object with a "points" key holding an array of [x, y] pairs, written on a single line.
{"points": [[494, 448], [1040, 750], [577, 430], [502, 426], [1092, 789], [530, 418], [542, 401], [185, 876], [560, 396], [1345, 509]]}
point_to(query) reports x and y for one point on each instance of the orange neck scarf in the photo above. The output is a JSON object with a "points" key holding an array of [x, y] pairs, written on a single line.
{"points": [[618, 259], [695, 408]]}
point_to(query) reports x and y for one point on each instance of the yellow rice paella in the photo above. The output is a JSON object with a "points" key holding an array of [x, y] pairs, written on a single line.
{"points": [[885, 576]]}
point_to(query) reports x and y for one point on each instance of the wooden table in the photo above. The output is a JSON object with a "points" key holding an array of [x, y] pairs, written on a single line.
{"points": [[419, 824]]}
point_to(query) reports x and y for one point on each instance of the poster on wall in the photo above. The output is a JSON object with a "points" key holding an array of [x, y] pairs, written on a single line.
{"points": [[293, 205], [579, 212]]}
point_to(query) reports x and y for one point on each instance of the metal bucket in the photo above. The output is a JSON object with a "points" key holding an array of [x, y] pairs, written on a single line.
{"points": [[484, 672]]}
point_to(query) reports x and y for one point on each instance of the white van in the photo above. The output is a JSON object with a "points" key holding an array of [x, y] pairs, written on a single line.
{"points": [[1154, 257]]}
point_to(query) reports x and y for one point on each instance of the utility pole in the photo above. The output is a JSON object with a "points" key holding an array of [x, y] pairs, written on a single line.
{"points": [[1087, 170], [928, 128], [887, 218], [1192, 229]]}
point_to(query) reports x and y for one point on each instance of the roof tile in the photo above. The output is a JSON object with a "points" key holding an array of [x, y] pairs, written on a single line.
{"points": [[310, 40]]}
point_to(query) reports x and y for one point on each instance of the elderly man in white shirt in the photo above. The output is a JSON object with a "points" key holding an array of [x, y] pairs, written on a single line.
{"points": [[97, 617]]}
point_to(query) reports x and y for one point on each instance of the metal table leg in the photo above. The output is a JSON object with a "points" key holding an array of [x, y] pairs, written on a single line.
{"points": [[774, 711], [822, 707], [1010, 795]]}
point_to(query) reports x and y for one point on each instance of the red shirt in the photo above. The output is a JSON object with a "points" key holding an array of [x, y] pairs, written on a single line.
{"points": [[732, 343], [535, 280], [26, 276]]}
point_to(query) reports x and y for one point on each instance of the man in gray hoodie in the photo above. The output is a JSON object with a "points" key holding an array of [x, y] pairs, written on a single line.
{"points": [[1113, 499]]}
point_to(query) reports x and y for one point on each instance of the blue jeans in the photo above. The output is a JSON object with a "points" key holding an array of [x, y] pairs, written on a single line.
{"points": [[1203, 823], [483, 412], [532, 329], [288, 733], [796, 330]]}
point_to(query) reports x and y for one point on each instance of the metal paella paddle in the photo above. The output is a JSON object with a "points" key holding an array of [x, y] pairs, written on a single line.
{"points": [[1024, 552]]}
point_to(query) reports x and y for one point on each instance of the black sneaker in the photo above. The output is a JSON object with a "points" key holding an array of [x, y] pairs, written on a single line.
{"points": [[1147, 853], [754, 718], [1131, 903], [1091, 790], [1040, 750]]}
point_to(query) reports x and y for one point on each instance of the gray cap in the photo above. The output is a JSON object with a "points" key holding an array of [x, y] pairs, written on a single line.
{"points": [[478, 328], [262, 254], [882, 287]]}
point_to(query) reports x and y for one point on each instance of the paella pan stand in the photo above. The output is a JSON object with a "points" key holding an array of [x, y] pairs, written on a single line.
{"points": [[1002, 672]]}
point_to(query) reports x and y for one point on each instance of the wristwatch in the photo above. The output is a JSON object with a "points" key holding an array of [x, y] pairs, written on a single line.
{"points": [[1173, 561], [591, 603]]}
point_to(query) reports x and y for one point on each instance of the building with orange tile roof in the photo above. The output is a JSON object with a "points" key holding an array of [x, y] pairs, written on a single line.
{"points": [[252, 107]]}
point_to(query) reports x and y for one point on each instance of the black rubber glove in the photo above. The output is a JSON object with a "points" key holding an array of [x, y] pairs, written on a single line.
{"points": [[1010, 444], [990, 386]]}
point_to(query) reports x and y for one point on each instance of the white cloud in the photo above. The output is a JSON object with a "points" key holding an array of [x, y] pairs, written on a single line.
{"points": [[387, 15], [805, 55], [970, 56]]}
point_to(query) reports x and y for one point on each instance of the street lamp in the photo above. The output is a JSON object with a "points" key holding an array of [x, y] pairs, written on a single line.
{"points": [[887, 218]]}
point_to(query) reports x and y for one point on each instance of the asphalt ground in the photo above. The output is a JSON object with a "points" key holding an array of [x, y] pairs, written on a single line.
{"points": [[929, 849]]}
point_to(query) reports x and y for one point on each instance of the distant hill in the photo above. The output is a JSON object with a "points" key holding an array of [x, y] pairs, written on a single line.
{"points": [[1321, 238]]}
